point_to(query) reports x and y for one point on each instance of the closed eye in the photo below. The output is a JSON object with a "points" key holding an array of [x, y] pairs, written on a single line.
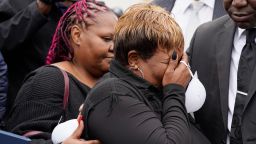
{"points": [[107, 39]]}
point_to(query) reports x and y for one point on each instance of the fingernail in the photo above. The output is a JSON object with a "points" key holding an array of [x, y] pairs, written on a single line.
{"points": [[174, 55], [80, 117]]}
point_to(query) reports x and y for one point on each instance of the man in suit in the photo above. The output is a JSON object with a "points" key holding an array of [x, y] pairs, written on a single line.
{"points": [[189, 14], [215, 53]]}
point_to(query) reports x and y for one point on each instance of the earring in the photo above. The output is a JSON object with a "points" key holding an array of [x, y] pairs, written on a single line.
{"points": [[141, 72], [136, 67]]}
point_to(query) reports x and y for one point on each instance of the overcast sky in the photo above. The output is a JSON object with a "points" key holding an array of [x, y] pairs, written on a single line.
{"points": [[122, 3]]}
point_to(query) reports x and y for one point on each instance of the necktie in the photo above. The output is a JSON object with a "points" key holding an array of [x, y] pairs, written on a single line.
{"points": [[244, 73], [193, 21]]}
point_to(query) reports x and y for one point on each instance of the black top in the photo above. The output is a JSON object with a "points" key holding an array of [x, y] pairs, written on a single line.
{"points": [[39, 103], [125, 109], [25, 38], [3, 86]]}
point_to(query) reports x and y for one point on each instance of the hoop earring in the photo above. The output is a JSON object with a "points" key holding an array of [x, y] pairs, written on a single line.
{"points": [[138, 69], [141, 72]]}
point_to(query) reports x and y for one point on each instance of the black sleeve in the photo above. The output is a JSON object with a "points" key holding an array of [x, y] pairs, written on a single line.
{"points": [[38, 106], [16, 26], [3, 86], [127, 120]]}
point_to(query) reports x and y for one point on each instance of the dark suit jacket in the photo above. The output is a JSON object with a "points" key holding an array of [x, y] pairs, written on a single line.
{"points": [[210, 55], [168, 5]]}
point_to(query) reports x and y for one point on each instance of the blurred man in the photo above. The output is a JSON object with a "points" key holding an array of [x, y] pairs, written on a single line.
{"points": [[26, 29]]}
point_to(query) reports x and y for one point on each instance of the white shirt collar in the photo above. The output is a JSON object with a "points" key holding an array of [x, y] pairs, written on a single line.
{"points": [[240, 32], [184, 4]]}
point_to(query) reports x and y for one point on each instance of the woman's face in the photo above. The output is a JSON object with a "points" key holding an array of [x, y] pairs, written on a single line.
{"points": [[95, 49], [155, 67]]}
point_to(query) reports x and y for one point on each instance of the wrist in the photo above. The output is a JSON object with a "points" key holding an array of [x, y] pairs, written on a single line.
{"points": [[173, 88]]}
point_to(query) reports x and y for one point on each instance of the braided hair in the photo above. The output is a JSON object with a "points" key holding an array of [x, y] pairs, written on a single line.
{"points": [[60, 49]]}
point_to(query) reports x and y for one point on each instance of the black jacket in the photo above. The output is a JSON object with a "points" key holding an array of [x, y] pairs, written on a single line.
{"points": [[125, 109], [3, 86], [25, 37]]}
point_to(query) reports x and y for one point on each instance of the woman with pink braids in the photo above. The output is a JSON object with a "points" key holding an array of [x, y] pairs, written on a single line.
{"points": [[82, 46]]}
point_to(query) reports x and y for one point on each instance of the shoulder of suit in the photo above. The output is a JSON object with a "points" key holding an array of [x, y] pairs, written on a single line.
{"points": [[215, 24]]}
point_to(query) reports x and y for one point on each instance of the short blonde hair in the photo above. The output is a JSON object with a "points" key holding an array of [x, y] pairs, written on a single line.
{"points": [[144, 28]]}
